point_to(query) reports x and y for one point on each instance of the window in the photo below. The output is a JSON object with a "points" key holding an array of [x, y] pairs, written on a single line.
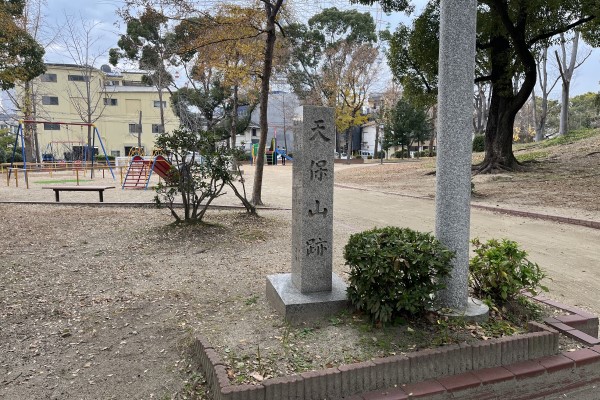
{"points": [[48, 78], [158, 128], [253, 131], [115, 153], [133, 128], [110, 102], [111, 83], [50, 100], [157, 103], [134, 83], [51, 127], [77, 78]]}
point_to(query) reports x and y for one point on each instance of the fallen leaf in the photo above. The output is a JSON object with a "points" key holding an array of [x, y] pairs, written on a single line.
{"points": [[257, 376]]}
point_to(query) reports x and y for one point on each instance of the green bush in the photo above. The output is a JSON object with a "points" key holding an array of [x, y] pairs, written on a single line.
{"points": [[395, 271], [401, 154], [8, 154], [101, 157], [500, 271], [479, 143], [425, 153]]}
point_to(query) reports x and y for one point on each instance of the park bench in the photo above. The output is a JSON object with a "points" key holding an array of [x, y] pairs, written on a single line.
{"points": [[99, 189]]}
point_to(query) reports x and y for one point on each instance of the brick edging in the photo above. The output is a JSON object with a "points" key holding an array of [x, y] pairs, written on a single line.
{"points": [[545, 217], [579, 325], [531, 379], [380, 373], [506, 211]]}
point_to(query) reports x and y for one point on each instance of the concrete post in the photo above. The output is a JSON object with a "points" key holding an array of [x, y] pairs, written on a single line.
{"points": [[458, 25]]}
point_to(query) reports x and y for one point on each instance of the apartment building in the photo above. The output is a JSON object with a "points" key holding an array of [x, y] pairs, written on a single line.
{"points": [[67, 93]]}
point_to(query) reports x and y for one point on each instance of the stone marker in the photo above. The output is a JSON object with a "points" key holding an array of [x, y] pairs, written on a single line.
{"points": [[458, 24], [311, 291]]}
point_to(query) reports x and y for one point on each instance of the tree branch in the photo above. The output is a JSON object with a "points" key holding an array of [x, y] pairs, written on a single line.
{"points": [[554, 32]]}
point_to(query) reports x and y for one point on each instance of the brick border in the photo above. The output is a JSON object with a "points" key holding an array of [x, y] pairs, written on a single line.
{"points": [[533, 379], [506, 211], [413, 370], [579, 325], [545, 217]]}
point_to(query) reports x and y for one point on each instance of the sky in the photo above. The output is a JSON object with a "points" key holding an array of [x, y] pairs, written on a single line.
{"points": [[103, 12]]}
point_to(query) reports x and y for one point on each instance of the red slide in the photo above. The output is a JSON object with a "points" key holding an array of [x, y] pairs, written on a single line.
{"points": [[162, 167]]}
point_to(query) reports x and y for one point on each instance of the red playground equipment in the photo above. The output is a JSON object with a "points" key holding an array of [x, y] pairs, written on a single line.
{"points": [[140, 171]]}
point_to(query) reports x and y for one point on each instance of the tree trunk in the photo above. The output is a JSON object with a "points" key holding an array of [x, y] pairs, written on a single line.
{"points": [[161, 109], [540, 120], [28, 129], [564, 109], [234, 116], [376, 152], [535, 116], [504, 106], [271, 11], [36, 142], [499, 136], [480, 117], [434, 132], [348, 146], [566, 74]]}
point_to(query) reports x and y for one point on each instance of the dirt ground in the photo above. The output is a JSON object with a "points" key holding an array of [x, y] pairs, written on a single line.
{"points": [[101, 302]]}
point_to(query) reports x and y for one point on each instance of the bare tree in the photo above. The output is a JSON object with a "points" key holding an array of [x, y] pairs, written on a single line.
{"points": [[25, 98], [546, 88], [380, 113], [86, 91], [566, 68]]}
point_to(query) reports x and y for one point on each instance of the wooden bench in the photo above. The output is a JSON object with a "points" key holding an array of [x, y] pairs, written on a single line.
{"points": [[99, 189]]}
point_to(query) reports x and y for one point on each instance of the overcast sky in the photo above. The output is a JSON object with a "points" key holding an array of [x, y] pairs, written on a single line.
{"points": [[110, 26]]}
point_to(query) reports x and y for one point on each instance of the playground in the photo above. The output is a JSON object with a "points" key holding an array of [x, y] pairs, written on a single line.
{"points": [[102, 300]]}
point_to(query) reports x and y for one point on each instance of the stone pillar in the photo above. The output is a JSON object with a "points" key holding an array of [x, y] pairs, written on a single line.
{"points": [[311, 291], [458, 24]]}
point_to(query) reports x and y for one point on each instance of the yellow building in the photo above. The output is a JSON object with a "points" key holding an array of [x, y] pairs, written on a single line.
{"points": [[68, 93]]}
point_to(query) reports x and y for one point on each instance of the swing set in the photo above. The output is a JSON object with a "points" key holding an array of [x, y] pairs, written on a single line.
{"points": [[20, 134]]}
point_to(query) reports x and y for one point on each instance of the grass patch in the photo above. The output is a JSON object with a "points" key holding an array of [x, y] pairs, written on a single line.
{"points": [[53, 181], [571, 137], [532, 156]]}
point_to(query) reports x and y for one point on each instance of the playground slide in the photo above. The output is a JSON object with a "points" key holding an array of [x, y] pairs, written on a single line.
{"points": [[162, 167], [279, 152]]}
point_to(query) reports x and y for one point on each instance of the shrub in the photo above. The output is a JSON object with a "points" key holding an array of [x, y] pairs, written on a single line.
{"points": [[8, 155], [197, 184], [401, 154], [102, 157], [479, 143], [500, 271], [395, 271], [426, 153]]}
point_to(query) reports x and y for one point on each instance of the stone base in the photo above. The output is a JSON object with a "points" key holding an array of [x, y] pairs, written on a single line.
{"points": [[297, 307], [476, 311]]}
